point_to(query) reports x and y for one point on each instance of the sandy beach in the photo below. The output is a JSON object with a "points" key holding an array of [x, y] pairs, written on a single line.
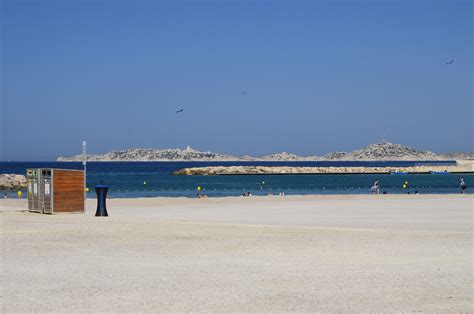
{"points": [[294, 253]]}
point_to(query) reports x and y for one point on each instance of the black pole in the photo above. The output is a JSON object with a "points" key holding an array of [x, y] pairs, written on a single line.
{"points": [[101, 191]]}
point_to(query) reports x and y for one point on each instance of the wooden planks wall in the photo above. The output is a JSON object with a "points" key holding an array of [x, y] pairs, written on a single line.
{"points": [[68, 189]]}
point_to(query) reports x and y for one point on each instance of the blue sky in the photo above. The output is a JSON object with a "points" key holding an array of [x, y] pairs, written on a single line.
{"points": [[320, 76]]}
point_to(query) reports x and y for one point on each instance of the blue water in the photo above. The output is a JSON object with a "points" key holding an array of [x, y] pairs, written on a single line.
{"points": [[126, 179]]}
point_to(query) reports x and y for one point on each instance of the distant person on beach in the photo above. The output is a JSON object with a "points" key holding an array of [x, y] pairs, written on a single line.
{"points": [[199, 195], [463, 186], [376, 187], [5, 196]]}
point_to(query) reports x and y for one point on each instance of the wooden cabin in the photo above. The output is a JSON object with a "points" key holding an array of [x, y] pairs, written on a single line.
{"points": [[52, 191]]}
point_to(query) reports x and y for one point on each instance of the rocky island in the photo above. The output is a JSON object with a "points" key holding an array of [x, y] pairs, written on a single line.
{"points": [[147, 154], [374, 152], [12, 181]]}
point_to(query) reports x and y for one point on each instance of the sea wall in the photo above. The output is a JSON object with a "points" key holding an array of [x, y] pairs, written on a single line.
{"points": [[12, 181], [461, 167]]}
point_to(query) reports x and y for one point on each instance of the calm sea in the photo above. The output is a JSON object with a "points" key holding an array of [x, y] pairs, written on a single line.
{"points": [[126, 179]]}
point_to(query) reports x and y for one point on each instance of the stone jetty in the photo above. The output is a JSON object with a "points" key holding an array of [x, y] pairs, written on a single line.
{"points": [[460, 167]]}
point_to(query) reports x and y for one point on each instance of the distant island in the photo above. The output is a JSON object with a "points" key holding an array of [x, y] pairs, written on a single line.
{"points": [[374, 152]]}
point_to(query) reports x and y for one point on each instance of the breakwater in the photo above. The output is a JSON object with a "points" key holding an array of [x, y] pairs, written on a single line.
{"points": [[460, 167]]}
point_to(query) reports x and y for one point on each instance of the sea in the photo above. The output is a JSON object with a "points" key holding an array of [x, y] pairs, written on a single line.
{"points": [[155, 179]]}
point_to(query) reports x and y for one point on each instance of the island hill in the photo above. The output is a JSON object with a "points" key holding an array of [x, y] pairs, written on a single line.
{"points": [[373, 152]]}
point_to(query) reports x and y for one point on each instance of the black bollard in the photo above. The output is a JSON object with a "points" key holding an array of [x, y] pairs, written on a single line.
{"points": [[101, 191]]}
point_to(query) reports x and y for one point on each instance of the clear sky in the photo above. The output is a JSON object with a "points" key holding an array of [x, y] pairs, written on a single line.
{"points": [[319, 76]]}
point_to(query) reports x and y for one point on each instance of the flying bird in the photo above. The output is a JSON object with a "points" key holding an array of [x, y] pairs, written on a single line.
{"points": [[450, 62], [179, 111], [243, 92]]}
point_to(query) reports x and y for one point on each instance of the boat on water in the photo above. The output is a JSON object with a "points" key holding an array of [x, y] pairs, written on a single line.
{"points": [[439, 172], [399, 172]]}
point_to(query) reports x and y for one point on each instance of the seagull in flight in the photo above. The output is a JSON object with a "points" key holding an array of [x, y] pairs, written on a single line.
{"points": [[179, 111], [243, 92], [450, 62]]}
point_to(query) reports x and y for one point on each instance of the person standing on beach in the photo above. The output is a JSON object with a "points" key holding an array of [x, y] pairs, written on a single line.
{"points": [[463, 186], [376, 187]]}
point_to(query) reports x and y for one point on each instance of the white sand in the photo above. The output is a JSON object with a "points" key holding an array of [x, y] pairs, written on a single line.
{"points": [[308, 253]]}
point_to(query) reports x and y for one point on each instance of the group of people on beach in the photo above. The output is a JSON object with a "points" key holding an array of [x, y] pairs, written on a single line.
{"points": [[376, 187], [268, 194]]}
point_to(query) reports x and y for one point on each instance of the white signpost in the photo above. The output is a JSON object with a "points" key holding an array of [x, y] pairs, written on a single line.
{"points": [[84, 163]]}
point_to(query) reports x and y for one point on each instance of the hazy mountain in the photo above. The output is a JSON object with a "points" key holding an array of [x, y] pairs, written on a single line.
{"points": [[284, 156], [458, 156]]}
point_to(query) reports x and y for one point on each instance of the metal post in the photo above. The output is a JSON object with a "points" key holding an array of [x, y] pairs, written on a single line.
{"points": [[84, 163], [101, 191]]}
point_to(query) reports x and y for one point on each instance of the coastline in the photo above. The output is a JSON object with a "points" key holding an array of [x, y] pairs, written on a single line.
{"points": [[21, 203], [156, 179]]}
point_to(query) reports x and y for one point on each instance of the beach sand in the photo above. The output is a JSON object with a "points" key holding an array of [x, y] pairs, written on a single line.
{"points": [[293, 253]]}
